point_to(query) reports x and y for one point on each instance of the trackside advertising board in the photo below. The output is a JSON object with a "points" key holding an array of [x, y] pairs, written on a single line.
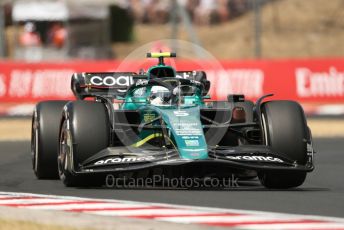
{"points": [[307, 81]]}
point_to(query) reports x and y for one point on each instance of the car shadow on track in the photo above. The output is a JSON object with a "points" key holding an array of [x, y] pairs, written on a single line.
{"points": [[241, 189], [247, 186]]}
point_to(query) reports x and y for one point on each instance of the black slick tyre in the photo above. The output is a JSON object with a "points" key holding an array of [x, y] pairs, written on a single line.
{"points": [[286, 132], [84, 132], [44, 138]]}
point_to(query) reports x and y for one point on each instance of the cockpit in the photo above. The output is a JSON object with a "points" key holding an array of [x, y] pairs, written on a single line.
{"points": [[182, 94]]}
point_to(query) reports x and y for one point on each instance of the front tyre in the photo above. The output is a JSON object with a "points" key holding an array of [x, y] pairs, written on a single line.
{"points": [[85, 130], [286, 132]]}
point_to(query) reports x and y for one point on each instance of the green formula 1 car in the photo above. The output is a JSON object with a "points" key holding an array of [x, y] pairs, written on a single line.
{"points": [[164, 125]]}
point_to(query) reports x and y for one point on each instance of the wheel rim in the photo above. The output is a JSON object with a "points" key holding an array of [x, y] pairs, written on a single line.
{"points": [[34, 144], [65, 147], [36, 149], [265, 129]]}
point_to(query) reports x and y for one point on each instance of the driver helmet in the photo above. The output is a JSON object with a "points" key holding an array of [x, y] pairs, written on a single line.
{"points": [[160, 95]]}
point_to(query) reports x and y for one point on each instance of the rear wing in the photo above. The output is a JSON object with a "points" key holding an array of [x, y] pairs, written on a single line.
{"points": [[103, 84], [116, 84]]}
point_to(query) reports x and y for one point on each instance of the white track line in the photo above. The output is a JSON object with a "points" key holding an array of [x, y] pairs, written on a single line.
{"points": [[238, 219], [99, 206], [31, 201], [227, 219], [144, 212]]}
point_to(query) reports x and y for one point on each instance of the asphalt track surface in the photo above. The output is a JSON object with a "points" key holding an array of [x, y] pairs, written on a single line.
{"points": [[321, 194]]}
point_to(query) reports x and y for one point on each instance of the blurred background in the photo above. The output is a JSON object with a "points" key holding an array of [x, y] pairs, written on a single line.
{"points": [[292, 48], [38, 30]]}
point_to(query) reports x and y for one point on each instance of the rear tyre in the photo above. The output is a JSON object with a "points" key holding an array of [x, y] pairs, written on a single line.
{"points": [[44, 138], [84, 132], [286, 132]]}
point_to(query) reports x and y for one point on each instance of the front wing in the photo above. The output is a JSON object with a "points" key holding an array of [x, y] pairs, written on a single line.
{"points": [[252, 157]]}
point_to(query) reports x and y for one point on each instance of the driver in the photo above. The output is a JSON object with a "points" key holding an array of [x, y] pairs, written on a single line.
{"points": [[160, 96]]}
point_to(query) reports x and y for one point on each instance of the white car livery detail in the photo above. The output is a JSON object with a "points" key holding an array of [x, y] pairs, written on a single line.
{"points": [[255, 158], [124, 160]]}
